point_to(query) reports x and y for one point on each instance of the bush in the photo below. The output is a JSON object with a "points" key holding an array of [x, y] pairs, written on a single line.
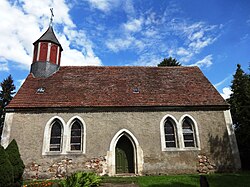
{"points": [[6, 169], [82, 179], [16, 161]]}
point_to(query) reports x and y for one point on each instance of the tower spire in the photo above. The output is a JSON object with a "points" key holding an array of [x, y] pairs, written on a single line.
{"points": [[47, 53], [51, 17]]}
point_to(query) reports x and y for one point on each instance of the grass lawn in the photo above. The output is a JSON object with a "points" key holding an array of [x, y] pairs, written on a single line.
{"points": [[214, 180]]}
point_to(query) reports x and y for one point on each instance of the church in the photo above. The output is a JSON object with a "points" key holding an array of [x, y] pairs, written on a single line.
{"points": [[117, 120]]}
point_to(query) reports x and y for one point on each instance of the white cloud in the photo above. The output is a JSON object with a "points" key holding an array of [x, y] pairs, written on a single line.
{"points": [[103, 5], [107, 6], [74, 57], [147, 59], [200, 44], [134, 25], [120, 43], [222, 82], [4, 67], [226, 92], [196, 37], [28, 20], [182, 52], [128, 7], [207, 61], [150, 33]]}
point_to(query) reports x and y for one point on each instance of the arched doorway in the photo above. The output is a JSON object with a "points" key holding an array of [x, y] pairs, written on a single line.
{"points": [[124, 156], [122, 137]]}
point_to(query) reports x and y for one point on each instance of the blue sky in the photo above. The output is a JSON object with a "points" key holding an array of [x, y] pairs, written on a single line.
{"points": [[214, 34]]}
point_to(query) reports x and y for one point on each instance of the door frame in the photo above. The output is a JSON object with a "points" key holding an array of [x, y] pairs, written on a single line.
{"points": [[138, 153]]}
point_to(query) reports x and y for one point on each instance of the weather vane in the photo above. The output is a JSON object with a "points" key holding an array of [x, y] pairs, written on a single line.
{"points": [[52, 15]]}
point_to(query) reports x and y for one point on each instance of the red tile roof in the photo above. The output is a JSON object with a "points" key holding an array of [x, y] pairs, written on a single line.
{"points": [[92, 86]]}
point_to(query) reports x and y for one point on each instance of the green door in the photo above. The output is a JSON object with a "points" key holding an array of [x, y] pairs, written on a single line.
{"points": [[124, 156]]}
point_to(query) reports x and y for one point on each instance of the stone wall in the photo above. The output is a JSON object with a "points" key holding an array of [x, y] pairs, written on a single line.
{"points": [[65, 167], [204, 165], [101, 127]]}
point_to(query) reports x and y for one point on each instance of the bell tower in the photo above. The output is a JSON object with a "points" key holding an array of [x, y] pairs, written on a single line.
{"points": [[47, 53]]}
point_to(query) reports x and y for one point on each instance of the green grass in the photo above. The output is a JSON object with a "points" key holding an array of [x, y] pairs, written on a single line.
{"points": [[120, 180], [173, 181], [214, 180]]}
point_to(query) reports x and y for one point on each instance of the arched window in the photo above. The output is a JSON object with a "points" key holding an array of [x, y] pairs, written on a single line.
{"points": [[188, 133], [56, 136], [76, 136], [170, 133]]}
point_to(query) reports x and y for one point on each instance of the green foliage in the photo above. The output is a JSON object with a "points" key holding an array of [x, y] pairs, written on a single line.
{"points": [[16, 161], [240, 110], [6, 92], [82, 179], [169, 62], [6, 169]]}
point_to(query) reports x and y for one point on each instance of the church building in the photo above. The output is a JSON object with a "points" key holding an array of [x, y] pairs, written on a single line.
{"points": [[117, 120]]}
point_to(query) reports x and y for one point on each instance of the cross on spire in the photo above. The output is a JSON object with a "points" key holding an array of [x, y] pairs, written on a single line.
{"points": [[51, 17]]}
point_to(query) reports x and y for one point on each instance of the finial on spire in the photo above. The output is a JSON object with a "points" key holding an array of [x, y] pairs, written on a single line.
{"points": [[52, 15]]}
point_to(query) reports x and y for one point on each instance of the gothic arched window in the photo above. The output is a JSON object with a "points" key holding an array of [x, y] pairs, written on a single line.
{"points": [[76, 136], [56, 136], [170, 133], [188, 133]]}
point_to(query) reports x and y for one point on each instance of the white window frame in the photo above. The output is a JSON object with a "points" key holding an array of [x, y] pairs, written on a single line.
{"points": [[83, 135], [163, 142], [179, 133], [195, 133], [60, 135], [47, 135]]}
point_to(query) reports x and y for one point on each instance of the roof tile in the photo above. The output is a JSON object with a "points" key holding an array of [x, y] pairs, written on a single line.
{"points": [[92, 86]]}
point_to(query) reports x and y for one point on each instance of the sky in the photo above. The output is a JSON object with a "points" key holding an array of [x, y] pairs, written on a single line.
{"points": [[213, 35]]}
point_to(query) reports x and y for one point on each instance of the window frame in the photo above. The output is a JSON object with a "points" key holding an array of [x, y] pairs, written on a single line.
{"points": [[180, 144], [76, 122], [83, 135], [191, 133], [194, 125], [61, 135], [174, 134], [47, 137], [162, 133], [66, 136]]}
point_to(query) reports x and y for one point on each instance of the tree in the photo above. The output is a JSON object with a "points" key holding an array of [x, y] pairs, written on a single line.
{"points": [[240, 109], [16, 161], [6, 94], [169, 62], [6, 169]]}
